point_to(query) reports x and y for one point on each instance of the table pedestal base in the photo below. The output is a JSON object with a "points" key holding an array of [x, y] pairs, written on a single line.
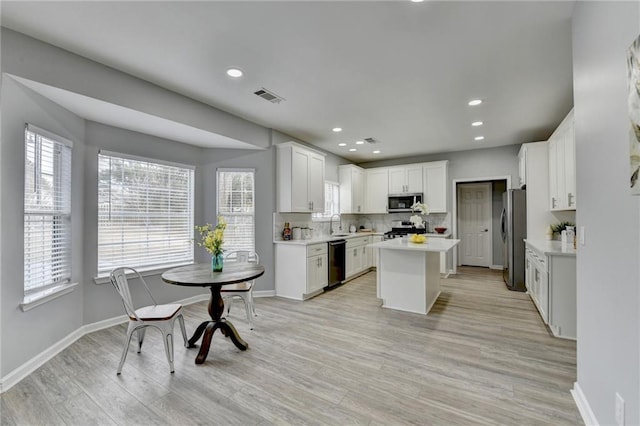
{"points": [[216, 308], [208, 328]]}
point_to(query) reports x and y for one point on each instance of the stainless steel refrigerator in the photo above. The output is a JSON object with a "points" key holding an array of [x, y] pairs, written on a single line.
{"points": [[514, 231]]}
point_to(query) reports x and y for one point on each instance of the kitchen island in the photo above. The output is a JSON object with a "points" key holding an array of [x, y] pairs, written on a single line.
{"points": [[409, 273]]}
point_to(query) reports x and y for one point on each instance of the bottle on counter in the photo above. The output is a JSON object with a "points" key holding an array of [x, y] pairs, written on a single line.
{"points": [[286, 232], [549, 233]]}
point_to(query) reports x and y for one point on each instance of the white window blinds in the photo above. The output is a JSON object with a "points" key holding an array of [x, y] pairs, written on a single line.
{"points": [[145, 213], [47, 210], [236, 203]]}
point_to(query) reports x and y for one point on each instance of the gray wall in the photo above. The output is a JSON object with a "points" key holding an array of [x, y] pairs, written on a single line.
{"points": [[100, 300], [264, 163], [607, 265], [26, 334]]}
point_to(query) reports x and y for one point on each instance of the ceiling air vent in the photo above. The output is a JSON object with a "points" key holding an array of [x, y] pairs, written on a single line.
{"points": [[268, 95], [370, 140]]}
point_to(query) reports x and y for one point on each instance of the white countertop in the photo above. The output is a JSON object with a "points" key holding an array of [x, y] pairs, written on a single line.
{"points": [[327, 238], [432, 244], [552, 247]]}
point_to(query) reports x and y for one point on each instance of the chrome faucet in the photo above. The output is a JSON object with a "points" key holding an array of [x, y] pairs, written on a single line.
{"points": [[331, 223]]}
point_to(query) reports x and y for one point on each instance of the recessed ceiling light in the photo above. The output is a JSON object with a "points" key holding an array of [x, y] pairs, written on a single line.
{"points": [[234, 72], [342, 144], [417, 1], [352, 150], [477, 123], [377, 151], [337, 129], [359, 142], [479, 138], [475, 102]]}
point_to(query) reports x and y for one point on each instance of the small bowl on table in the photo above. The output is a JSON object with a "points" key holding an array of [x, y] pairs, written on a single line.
{"points": [[440, 230]]}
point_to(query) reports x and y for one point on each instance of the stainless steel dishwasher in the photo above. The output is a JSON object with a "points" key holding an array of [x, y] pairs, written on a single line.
{"points": [[337, 253]]}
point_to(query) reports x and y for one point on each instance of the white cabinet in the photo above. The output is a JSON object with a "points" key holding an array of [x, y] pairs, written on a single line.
{"points": [[301, 271], [357, 256], [536, 165], [405, 179], [562, 166], [551, 283], [376, 192], [351, 189], [300, 176], [537, 281], [317, 272], [435, 186]]}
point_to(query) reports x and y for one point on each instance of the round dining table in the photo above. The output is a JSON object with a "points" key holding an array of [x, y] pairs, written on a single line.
{"points": [[201, 275]]}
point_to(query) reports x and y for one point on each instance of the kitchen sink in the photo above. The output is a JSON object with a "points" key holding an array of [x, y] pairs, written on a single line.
{"points": [[340, 235]]}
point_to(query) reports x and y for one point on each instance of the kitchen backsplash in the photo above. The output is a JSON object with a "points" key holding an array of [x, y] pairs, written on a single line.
{"points": [[375, 222]]}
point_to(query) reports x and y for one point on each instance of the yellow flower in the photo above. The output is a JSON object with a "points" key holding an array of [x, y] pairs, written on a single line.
{"points": [[212, 238]]}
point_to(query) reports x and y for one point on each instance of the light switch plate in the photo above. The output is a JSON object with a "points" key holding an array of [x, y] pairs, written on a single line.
{"points": [[581, 235]]}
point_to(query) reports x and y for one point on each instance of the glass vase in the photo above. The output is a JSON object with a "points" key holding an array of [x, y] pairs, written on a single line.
{"points": [[217, 262]]}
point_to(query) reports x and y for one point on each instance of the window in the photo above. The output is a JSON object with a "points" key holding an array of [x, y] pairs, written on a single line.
{"points": [[145, 213], [331, 202], [236, 203], [47, 210]]}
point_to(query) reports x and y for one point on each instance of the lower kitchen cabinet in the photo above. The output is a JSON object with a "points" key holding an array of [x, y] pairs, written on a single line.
{"points": [[301, 270], [357, 258], [317, 275], [550, 279]]}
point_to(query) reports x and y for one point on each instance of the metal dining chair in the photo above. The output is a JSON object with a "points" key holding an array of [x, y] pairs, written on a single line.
{"points": [[242, 290], [161, 317]]}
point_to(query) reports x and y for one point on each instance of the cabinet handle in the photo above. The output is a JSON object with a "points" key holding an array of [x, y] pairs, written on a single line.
{"points": [[569, 199], [553, 202]]}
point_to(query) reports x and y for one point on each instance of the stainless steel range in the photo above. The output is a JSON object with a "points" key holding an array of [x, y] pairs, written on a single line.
{"points": [[401, 228]]}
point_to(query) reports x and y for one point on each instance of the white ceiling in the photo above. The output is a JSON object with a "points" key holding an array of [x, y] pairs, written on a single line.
{"points": [[397, 71]]}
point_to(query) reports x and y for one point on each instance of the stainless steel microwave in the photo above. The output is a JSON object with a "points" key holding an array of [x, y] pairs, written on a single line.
{"points": [[402, 202]]}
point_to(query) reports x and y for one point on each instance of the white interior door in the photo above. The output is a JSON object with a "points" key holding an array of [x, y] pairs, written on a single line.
{"points": [[474, 221]]}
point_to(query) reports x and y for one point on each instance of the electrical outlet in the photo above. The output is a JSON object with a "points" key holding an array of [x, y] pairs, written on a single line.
{"points": [[582, 235], [619, 410]]}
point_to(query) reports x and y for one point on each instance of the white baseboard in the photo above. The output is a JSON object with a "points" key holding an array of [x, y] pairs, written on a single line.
{"points": [[37, 361], [264, 293], [497, 267], [583, 406]]}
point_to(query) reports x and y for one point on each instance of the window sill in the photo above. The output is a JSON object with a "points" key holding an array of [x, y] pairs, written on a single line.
{"points": [[38, 298], [104, 279]]}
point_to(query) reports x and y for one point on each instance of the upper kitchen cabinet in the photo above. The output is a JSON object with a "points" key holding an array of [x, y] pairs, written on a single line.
{"points": [[435, 185], [536, 177], [351, 189], [562, 166], [376, 185], [405, 179], [300, 179]]}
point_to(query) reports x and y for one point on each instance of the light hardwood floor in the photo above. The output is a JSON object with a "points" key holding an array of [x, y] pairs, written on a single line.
{"points": [[482, 356]]}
